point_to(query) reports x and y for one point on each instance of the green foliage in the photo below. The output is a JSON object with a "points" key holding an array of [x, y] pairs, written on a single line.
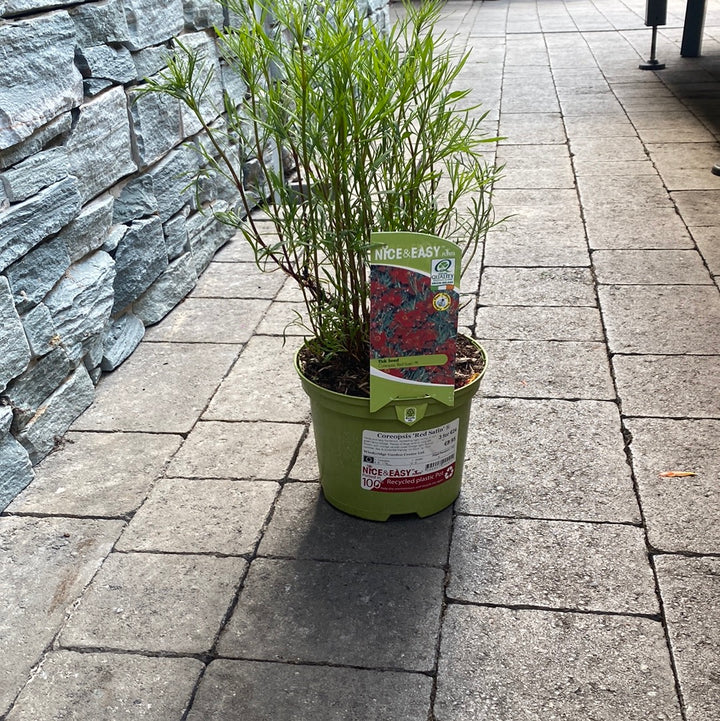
{"points": [[377, 134]]}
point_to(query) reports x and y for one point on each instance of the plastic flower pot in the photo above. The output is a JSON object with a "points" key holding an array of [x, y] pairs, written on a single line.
{"points": [[406, 458]]}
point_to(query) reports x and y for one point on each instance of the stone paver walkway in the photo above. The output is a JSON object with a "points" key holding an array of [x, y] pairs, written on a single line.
{"points": [[174, 559]]}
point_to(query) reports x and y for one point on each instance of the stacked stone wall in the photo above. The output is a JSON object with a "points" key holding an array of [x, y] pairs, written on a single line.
{"points": [[99, 234]]}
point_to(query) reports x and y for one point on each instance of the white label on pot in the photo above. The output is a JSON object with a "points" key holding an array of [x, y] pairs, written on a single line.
{"points": [[398, 462]]}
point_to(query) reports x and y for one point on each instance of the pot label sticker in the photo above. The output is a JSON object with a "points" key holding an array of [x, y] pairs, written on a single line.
{"points": [[414, 301], [403, 462]]}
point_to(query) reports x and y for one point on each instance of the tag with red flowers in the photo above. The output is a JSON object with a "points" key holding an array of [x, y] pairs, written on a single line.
{"points": [[414, 302]]}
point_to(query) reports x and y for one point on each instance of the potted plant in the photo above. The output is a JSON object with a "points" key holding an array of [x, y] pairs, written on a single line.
{"points": [[351, 130]]}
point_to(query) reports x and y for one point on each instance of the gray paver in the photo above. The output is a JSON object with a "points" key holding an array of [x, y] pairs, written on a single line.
{"points": [[539, 323], [263, 385], [547, 459], [244, 690], [698, 207], [530, 665], [304, 525], [547, 369], [663, 319], [371, 616], [668, 386], [650, 266], [77, 686], [237, 450], [685, 166], [690, 590], [155, 603], [280, 320], [64, 553], [637, 228], [551, 564], [708, 241], [162, 387], [97, 474], [681, 513], [208, 516], [537, 286], [531, 128], [237, 280], [535, 166]]}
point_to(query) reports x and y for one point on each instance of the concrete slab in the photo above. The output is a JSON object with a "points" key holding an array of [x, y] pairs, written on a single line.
{"points": [[262, 386], [210, 320], [626, 149], [72, 685], [208, 516], [547, 459], [237, 450], [690, 589], [539, 323], [363, 615], [236, 250], [304, 525], [681, 514], [65, 553], [551, 564], [698, 207], [162, 387], [670, 127], [97, 474], [637, 228], [305, 466], [686, 166], [280, 319], [535, 166], [537, 286], [243, 690], [661, 318], [547, 369], [527, 665], [237, 280], [532, 128], [155, 603], [668, 386], [708, 242], [652, 267]]}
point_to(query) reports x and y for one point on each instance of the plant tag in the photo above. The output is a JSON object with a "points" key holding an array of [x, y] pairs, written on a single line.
{"points": [[414, 302]]}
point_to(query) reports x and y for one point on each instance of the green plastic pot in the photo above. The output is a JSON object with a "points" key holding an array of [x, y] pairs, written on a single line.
{"points": [[405, 458]]}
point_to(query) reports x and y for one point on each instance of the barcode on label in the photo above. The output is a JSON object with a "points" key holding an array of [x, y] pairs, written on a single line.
{"points": [[440, 463]]}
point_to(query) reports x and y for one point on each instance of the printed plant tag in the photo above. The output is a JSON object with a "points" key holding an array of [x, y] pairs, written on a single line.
{"points": [[414, 303]]}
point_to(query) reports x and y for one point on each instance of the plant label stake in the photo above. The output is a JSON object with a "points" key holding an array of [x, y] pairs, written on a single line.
{"points": [[414, 302]]}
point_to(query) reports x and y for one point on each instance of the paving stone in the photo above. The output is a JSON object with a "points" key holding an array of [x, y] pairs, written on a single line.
{"points": [[280, 319], [650, 267], [651, 228], [236, 250], [552, 564], [209, 516], [512, 665], [371, 616], [531, 128], [661, 318], [547, 369], [537, 286], [304, 525], [237, 280], [210, 320], [614, 168], [97, 474], [684, 166], [262, 385], [65, 553], [680, 513], [668, 386], [156, 603], [547, 459], [708, 242], [594, 148], [75, 686], [534, 166], [698, 207], [243, 690], [161, 387], [679, 127], [305, 466], [589, 126], [690, 589], [539, 323], [237, 450]]}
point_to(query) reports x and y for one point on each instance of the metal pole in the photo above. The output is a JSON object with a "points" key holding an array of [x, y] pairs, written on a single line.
{"points": [[653, 63]]}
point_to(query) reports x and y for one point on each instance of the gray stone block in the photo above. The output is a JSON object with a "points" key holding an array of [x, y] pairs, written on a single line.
{"points": [[24, 225], [113, 238], [52, 131], [35, 274], [121, 340], [650, 267], [99, 23], [6, 418], [349, 614], [291, 691], [167, 291], [149, 23], [38, 57], [95, 682], [176, 236], [106, 63], [81, 302], [539, 323], [40, 330], [16, 7], [172, 180], [40, 435], [93, 86], [140, 258], [155, 125], [202, 14], [207, 235], [150, 61], [136, 200], [15, 354], [537, 286], [34, 173], [89, 230], [155, 603], [65, 553], [99, 146], [17, 469]]}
